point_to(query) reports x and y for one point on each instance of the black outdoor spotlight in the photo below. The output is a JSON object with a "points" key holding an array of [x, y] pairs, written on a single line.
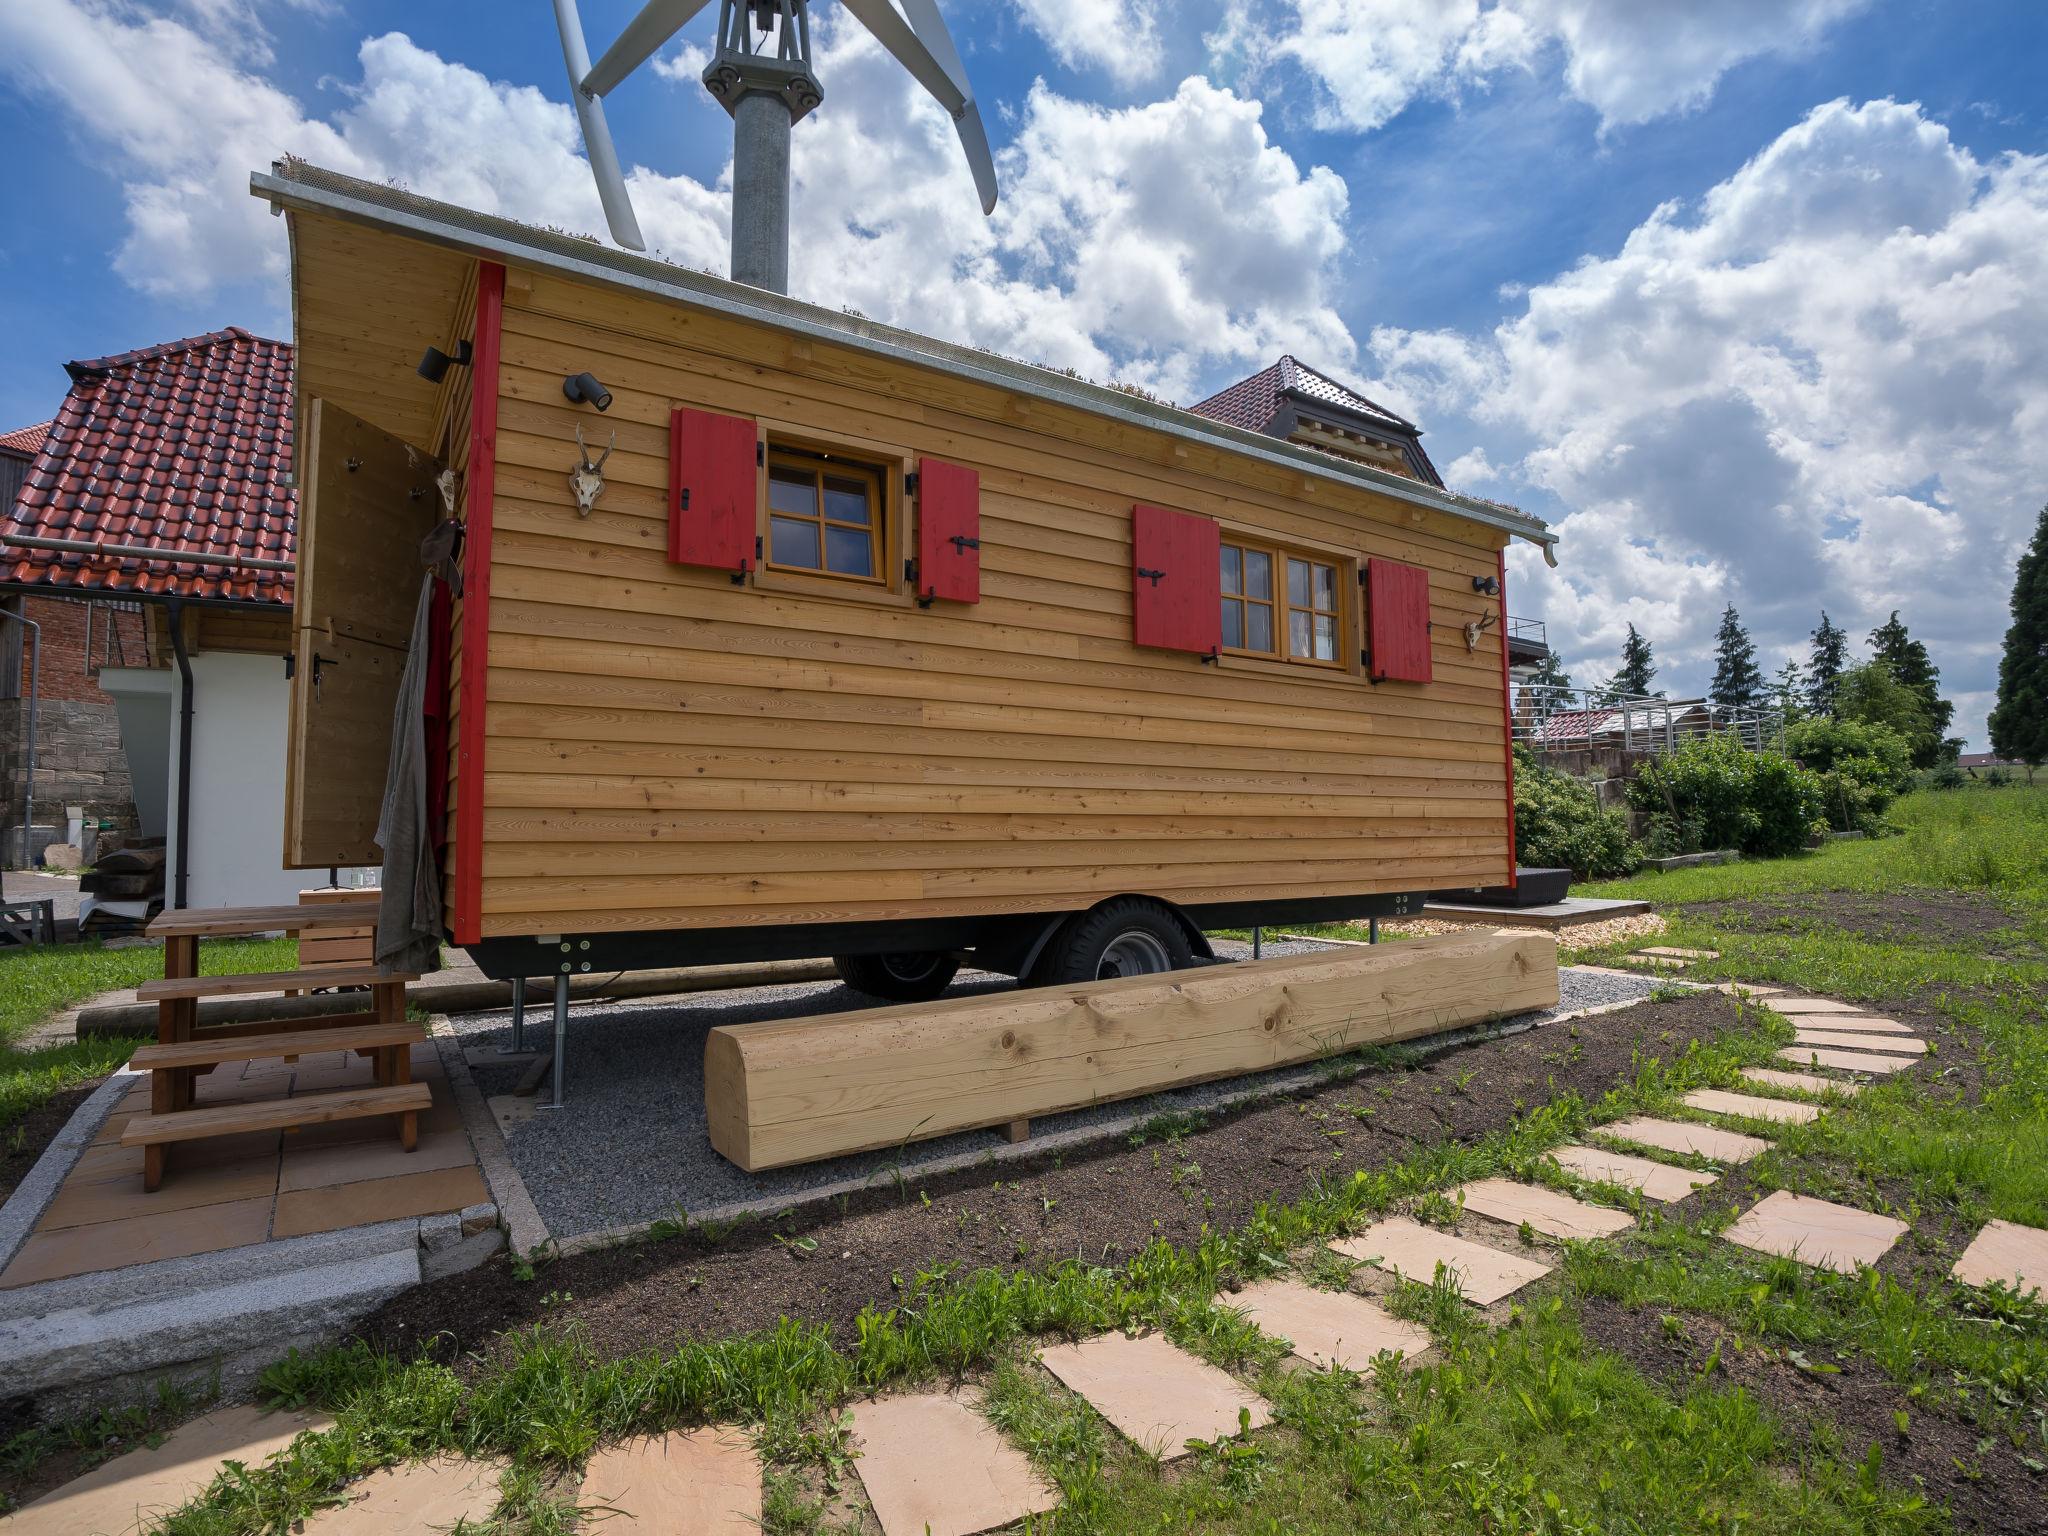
{"points": [[434, 363], [1490, 585], [580, 387]]}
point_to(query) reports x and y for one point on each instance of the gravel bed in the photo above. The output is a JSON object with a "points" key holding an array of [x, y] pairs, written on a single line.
{"points": [[630, 1146]]}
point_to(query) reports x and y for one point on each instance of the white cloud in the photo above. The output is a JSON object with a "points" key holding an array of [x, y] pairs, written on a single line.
{"points": [[1629, 61], [1122, 39], [685, 65], [1824, 384]]}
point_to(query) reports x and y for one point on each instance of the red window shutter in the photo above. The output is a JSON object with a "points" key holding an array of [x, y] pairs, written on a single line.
{"points": [[948, 531], [1397, 600], [1176, 585], [711, 470]]}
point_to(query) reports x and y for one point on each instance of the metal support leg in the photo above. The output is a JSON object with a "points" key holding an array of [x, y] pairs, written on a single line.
{"points": [[518, 1045], [1372, 930], [1258, 942], [561, 1037]]}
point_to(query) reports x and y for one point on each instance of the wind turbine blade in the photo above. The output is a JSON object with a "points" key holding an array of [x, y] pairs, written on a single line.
{"points": [[658, 21], [927, 51], [597, 137]]}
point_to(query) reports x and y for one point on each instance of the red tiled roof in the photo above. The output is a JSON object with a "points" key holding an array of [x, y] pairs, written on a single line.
{"points": [[186, 447], [24, 440], [1253, 402]]}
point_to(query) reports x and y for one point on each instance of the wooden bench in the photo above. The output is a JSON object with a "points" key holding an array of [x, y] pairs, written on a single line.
{"points": [[183, 1051]]}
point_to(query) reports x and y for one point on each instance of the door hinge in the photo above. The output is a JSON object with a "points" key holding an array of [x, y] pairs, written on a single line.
{"points": [[291, 666]]}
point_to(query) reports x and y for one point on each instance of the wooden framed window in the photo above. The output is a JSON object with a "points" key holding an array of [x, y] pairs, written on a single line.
{"points": [[1281, 605], [825, 515]]}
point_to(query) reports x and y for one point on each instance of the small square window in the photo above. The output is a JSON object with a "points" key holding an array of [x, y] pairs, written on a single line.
{"points": [[824, 515], [1303, 610]]}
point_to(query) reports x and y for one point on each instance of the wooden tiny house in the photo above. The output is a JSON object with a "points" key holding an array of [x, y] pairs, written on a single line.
{"points": [[868, 643]]}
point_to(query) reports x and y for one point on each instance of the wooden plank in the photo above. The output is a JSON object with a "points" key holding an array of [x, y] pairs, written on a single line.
{"points": [[276, 1114], [796, 1090], [172, 987], [298, 1042], [229, 922]]}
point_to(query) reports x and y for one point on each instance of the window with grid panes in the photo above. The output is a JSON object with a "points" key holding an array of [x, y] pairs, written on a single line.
{"points": [[1280, 604], [824, 515]]}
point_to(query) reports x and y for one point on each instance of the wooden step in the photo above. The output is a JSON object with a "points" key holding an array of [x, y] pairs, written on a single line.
{"points": [[171, 988], [228, 922], [303, 1042], [276, 1114]]}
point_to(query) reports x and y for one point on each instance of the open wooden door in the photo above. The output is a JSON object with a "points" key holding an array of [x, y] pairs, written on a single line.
{"points": [[366, 501]]}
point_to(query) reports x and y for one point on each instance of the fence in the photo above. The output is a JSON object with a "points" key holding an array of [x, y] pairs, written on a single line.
{"points": [[1555, 719]]}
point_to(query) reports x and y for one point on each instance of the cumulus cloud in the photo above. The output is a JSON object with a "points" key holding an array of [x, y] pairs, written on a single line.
{"points": [[1824, 383], [1121, 39], [1630, 62], [1157, 244]]}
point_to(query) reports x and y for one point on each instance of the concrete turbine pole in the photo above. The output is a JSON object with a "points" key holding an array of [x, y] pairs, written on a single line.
{"points": [[766, 93]]}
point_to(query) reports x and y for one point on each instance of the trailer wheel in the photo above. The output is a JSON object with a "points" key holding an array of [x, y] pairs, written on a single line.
{"points": [[1126, 937], [914, 976]]}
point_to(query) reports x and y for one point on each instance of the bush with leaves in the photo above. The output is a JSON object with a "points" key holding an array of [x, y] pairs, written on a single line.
{"points": [[1559, 824], [1759, 802], [1863, 768]]}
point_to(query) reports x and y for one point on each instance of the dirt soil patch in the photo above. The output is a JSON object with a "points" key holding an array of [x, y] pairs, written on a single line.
{"points": [[24, 1141], [1100, 1204], [1894, 917]]}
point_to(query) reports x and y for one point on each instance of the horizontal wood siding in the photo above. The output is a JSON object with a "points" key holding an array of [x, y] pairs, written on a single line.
{"points": [[670, 750]]}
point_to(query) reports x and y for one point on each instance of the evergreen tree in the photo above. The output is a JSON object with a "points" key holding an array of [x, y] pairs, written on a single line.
{"points": [[1789, 690], [1824, 671], [1550, 673], [1910, 666], [1738, 684], [1637, 668], [2019, 721]]}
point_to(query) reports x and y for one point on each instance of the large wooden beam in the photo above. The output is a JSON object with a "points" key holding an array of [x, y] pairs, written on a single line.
{"points": [[795, 1090]]}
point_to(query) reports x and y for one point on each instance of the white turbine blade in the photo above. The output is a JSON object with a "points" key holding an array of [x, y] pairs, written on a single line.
{"points": [[597, 137], [928, 53], [658, 21]]}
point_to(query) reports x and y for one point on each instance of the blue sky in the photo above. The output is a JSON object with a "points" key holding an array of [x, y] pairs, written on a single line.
{"points": [[1754, 304]]}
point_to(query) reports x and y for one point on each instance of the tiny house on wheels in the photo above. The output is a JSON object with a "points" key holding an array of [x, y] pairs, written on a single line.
{"points": [[780, 633]]}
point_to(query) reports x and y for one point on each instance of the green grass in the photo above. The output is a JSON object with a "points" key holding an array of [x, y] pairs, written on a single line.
{"points": [[1526, 1427]]}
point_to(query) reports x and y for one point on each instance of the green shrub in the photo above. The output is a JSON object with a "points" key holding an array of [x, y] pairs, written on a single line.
{"points": [[1863, 768], [1759, 802], [1559, 824]]}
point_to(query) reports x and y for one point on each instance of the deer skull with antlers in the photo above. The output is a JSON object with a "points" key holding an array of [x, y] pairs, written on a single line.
{"points": [[587, 479]]}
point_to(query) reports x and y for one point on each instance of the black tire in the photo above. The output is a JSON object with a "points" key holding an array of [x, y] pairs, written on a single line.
{"points": [[1126, 937], [915, 976]]}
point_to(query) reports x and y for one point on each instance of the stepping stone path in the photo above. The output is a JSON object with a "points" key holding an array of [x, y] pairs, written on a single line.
{"points": [[1856, 1024], [422, 1498], [1545, 1210], [1413, 1251], [933, 1466], [1328, 1328], [1802, 1082], [1900, 1045], [137, 1490], [2007, 1253], [1791, 1007], [691, 1483], [1708, 1141], [1666, 952], [1717, 1101], [1653, 1180], [1846, 1061], [1816, 1232], [1158, 1396]]}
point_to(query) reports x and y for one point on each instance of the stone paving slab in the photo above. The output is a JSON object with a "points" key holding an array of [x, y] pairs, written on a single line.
{"points": [[2008, 1253], [1846, 1061], [1816, 1232], [1158, 1396], [1791, 1007], [1551, 1213], [422, 1498], [429, 1193], [933, 1466], [691, 1483], [1413, 1251], [1890, 1045], [1708, 1141], [1328, 1328], [1802, 1082], [1718, 1101], [141, 1240], [1680, 954], [1656, 1181], [131, 1492], [1854, 1023]]}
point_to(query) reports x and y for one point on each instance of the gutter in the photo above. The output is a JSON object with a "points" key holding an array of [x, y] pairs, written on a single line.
{"points": [[313, 190], [34, 631], [102, 549], [182, 874]]}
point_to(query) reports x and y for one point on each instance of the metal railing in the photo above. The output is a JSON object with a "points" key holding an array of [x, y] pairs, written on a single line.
{"points": [[1548, 718], [1533, 630]]}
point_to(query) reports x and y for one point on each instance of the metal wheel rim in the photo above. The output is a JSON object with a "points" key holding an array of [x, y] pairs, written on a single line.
{"points": [[1133, 953], [912, 967]]}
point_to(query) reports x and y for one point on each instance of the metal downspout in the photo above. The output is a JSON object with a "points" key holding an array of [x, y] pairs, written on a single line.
{"points": [[181, 875], [35, 683]]}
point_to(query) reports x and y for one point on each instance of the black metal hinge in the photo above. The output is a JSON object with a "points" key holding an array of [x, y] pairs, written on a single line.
{"points": [[760, 453], [910, 483], [961, 543], [683, 499], [1152, 575]]}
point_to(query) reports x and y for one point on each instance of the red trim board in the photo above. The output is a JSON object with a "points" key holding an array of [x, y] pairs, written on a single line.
{"points": [[476, 601], [1507, 712]]}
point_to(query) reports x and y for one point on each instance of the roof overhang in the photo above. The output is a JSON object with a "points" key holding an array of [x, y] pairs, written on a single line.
{"points": [[294, 186]]}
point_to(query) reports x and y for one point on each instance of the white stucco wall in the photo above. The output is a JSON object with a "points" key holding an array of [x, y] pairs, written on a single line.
{"points": [[240, 706]]}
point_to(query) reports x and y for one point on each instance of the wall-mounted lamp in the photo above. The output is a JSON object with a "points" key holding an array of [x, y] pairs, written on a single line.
{"points": [[581, 387], [1490, 585], [434, 363]]}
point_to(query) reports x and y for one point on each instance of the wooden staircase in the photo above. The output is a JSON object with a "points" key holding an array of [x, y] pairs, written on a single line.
{"points": [[184, 1052]]}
